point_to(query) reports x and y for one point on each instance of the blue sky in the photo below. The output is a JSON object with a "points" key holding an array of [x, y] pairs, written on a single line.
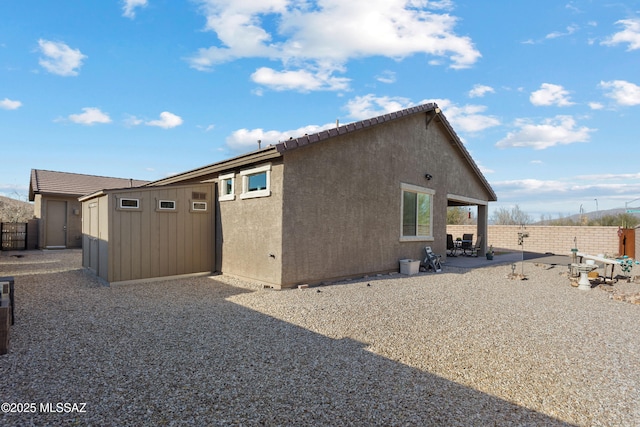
{"points": [[545, 95]]}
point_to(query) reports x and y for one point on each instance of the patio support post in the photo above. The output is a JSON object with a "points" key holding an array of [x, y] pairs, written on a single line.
{"points": [[483, 227]]}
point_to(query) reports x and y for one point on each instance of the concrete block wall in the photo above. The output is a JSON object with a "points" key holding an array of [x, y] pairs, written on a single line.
{"points": [[556, 239]]}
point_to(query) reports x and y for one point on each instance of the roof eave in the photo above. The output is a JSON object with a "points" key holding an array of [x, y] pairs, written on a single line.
{"points": [[239, 161]]}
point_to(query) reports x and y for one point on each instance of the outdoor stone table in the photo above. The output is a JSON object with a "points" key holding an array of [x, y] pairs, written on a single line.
{"points": [[584, 270]]}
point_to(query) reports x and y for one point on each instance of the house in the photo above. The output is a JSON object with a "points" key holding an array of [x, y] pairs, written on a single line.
{"points": [[57, 207], [344, 202]]}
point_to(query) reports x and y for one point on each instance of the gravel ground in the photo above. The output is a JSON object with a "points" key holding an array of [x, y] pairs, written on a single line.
{"points": [[463, 347]]}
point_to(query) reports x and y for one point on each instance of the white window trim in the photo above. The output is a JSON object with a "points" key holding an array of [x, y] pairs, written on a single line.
{"points": [[246, 194], [121, 199], [221, 186], [415, 189], [160, 208], [195, 202]]}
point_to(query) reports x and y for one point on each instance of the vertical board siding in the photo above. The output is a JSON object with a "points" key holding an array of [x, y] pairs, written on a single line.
{"points": [[148, 243]]}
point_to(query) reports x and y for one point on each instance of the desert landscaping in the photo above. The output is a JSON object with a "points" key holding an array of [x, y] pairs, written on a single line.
{"points": [[462, 347]]}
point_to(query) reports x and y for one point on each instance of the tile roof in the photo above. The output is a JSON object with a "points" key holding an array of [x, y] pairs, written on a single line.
{"points": [[341, 130], [282, 147], [73, 184]]}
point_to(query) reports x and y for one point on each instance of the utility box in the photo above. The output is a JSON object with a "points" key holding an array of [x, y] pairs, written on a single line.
{"points": [[409, 266], [5, 326], [7, 297]]}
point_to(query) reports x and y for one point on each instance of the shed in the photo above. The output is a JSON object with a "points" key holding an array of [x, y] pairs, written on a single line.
{"points": [[57, 207], [344, 202], [148, 232]]}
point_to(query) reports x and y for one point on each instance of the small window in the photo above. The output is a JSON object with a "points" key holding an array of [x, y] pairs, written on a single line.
{"points": [[199, 206], [130, 203], [256, 182], [166, 205], [226, 187]]}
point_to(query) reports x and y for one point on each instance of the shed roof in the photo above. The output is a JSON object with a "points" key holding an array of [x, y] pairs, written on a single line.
{"points": [[73, 184]]}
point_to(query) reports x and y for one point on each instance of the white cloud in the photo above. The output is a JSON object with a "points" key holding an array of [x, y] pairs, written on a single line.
{"points": [[479, 91], [630, 34], [386, 77], [90, 116], [610, 176], [550, 94], [485, 170], [573, 190], [133, 121], [569, 30], [596, 106], [560, 130], [247, 139], [323, 36], [129, 7], [167, 121], [623, 92], [8, 104], [535, 186], [301, 80], [367, 106], [466, 118], [59, 58]]}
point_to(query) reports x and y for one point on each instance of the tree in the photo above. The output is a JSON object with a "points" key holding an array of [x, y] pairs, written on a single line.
{"points": [[514, 216], [459, 215], [621, 220]]}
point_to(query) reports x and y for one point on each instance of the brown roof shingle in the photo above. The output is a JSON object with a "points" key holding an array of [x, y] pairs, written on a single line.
{"points": [[74, 184]]}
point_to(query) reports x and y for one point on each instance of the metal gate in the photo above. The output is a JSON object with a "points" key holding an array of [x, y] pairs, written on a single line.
{"points": [[627, 241], [14, 236]]}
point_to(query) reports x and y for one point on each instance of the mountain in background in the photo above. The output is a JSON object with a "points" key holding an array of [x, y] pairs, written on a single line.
{"points": [[594, 215]]}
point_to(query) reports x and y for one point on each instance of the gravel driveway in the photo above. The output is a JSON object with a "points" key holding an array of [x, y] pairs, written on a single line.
{"points": [[464, 347]]}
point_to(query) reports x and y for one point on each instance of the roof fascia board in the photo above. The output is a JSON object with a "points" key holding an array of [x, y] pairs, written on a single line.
{"points": [[130, 189], [265, 154], [465, 199]]}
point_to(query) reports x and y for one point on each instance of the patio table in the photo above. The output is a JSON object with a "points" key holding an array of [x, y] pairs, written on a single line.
{"points": [[606, 261]]}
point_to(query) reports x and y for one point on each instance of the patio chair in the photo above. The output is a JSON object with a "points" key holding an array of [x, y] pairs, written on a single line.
{"points": [[432, 260], [477, 246], [467, 243], [451, 247]]}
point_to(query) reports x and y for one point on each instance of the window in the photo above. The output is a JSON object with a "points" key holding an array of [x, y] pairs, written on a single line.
{"points": [[198, 206], [129, 203], [226, 187], [166, 205], [417, 214], [256, 182]]}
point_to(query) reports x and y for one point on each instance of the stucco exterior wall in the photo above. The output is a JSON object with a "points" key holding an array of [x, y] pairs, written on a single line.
{"points": [[73, 220], [555, 239], [250, 230], [342, 198]]}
